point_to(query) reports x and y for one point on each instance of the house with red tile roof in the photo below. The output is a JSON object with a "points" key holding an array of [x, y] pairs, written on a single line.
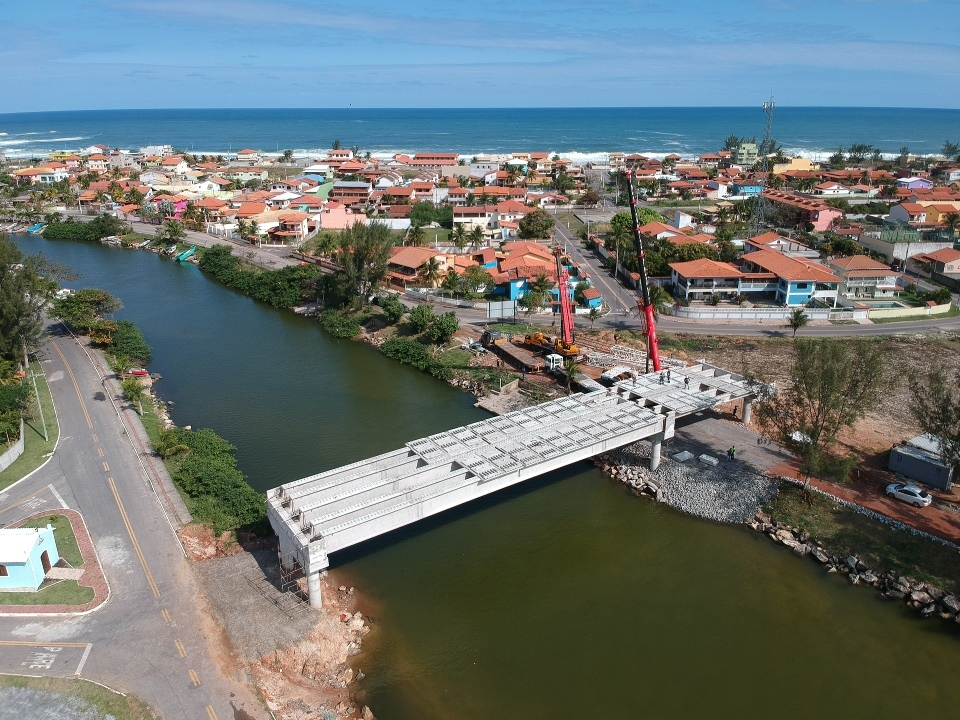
{"points": [[815, 213], [799, 280], [945, 261], [403, 268], [248, 156], [864, 277]]}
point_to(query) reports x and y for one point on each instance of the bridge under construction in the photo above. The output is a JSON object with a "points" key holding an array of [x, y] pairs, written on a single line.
{"points": [[333, 510]]}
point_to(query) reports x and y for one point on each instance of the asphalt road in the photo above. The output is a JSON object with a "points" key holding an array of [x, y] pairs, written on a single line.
{"points": [[151, 637]]}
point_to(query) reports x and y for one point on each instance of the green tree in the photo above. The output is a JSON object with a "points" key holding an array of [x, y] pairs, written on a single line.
{"points": [[287, 156], [337, 145], [661, 300], [443, 327], [951, 150], [170, 444], [477, 281], [364, 253], [421, 317], [172, 231], [392, 308], [535, 225], [571, 367], [833, 384], [838, 160], [936, 408], [23, 292], [798, 319], [453, 283], [476, 236], [429, 273], [594, 316], [459, 236], [135, 391], [416, 235], [85, 309]]}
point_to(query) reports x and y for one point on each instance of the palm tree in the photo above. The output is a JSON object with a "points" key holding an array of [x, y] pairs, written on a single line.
{"points": [[594, 315], [173, 231], [572, 367], [459, 237], [118, 364], [336, 145], [242, 228], [797, 320], [134, 391], [430, 272], [416, 235], [287, 156], [476, 236], [169, 444], [254, 231], [661, 300]]}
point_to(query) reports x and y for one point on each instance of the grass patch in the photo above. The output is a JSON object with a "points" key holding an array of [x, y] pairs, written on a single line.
{"points": [[63, 533], [108, 703], [844, 532], [518, 328], [575, 225], [844, 322], [686, 343], [455, 359], [57, 592], [36, 449], [151, 423], [954, 311]]}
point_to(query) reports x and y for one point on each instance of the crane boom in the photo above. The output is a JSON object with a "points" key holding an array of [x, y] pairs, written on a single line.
{"points": [[643, 303], [564, 344]]}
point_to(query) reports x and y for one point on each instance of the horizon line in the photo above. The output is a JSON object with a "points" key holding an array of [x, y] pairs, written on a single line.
{"points": [[492, 108]]}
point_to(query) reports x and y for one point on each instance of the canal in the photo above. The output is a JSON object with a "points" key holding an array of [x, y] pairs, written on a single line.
{"points": [[565, 597]]}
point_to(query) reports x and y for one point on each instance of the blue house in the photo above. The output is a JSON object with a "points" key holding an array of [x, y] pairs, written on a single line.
{"points": [[26, 554], [798, 280]]}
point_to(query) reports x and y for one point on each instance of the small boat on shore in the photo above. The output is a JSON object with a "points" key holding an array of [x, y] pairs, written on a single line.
{"points": [[187, 254], [36, 229]]}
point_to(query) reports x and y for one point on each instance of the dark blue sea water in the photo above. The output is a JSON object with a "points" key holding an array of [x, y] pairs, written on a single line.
{"points": [[576, 132]]}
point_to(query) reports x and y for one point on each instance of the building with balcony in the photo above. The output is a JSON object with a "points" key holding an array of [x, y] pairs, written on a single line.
{"points": [[799, 280], [863, 277]]}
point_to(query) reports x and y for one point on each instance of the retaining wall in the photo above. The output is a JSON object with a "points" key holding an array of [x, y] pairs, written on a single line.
{"points": [[880, 313], [8, 458]]}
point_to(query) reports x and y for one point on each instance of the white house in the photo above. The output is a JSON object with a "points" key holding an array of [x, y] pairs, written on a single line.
{"points": [[26, 554]]}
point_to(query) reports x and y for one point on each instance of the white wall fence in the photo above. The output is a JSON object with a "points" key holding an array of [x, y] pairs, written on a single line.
{"points": [[713, 314], [908, 312], [8, 458], [440, 300]]}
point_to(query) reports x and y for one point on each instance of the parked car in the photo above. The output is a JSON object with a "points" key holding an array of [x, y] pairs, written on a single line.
{"points": [[909, 494]]}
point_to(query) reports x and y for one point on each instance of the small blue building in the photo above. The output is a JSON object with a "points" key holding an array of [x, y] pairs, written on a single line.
{"points": [[26, 554], [747, 188]]}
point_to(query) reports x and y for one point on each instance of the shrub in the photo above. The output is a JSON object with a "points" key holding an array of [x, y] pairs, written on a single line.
{"points": [[101, 227], [217, 491], [128, 340], [442, 327], [421, 317], [339, 325], [393, 309], [411, 352], [286, 287]]}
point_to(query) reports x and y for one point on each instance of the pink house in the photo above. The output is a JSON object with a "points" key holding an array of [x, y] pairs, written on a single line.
{"points": [[335, 216]]}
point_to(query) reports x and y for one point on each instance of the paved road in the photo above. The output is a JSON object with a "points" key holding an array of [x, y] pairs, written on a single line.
{"points": [[151, 637]]}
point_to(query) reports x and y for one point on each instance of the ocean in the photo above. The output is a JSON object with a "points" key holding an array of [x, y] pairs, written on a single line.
{"points": [[578, 133]]}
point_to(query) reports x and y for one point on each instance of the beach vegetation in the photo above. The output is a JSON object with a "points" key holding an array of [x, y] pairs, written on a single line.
{"points": [[102, 226], [285, 287], [443, 327], [204, 469], [421, 317], [411, 351], [339, 324], [392, 308], [363, 251], [936, 408]]}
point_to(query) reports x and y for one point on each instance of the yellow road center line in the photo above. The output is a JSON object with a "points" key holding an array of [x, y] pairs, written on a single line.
{"points": [[76, 385], [106, 468], [181, 649], [211, 713], [95, 438], [100, 450], [133, 538], [26, 499], [195, 678], [166, 616]]}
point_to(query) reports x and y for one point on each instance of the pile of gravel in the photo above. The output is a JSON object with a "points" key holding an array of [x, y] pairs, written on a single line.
{"points": [[731, 492]]}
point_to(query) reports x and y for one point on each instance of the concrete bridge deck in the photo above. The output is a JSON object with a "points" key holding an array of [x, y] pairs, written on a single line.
{"points": [[323, 513]]}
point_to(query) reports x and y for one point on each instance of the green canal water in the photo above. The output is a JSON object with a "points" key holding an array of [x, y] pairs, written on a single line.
{"points": [[563, 598]]}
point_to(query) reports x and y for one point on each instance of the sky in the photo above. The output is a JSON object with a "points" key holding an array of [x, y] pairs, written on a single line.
{"points": [[106, 54]]}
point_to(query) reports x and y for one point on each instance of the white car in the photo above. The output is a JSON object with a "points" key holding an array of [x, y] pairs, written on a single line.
{"points": [[909, 494]]}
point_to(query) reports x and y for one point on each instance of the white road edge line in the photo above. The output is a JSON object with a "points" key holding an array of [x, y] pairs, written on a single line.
{"points": [[83, 659], [128, 432], [57, 496]]}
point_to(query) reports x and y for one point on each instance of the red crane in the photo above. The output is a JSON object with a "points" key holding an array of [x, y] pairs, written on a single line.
{"points": [[564, 344], [643, 303]]}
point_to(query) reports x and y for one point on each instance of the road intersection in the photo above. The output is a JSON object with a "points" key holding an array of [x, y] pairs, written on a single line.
{"points": [[152, 637]]}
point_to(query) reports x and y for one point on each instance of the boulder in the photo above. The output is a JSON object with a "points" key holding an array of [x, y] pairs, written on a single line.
{"points": [[763, 517], [935, 593], [869, 577], [853, 578], [801, 549], [920, 597], [804, 536], [852, 563], [928, 610], [951, 603], [895, 594], [861, 567], [821, 555], [367, 714]]}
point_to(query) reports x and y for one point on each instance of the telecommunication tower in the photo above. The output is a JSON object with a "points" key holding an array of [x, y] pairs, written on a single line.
{"points": [[757, 216]]}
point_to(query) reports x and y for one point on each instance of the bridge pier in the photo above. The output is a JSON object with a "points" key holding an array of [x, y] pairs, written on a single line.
{"points": [[314, 589], [747, 410], [656, 441]]}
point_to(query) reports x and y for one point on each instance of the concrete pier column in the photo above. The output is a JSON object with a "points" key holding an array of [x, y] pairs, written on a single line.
{"points": [[313, 587], [656, 442], [747, 411]]}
